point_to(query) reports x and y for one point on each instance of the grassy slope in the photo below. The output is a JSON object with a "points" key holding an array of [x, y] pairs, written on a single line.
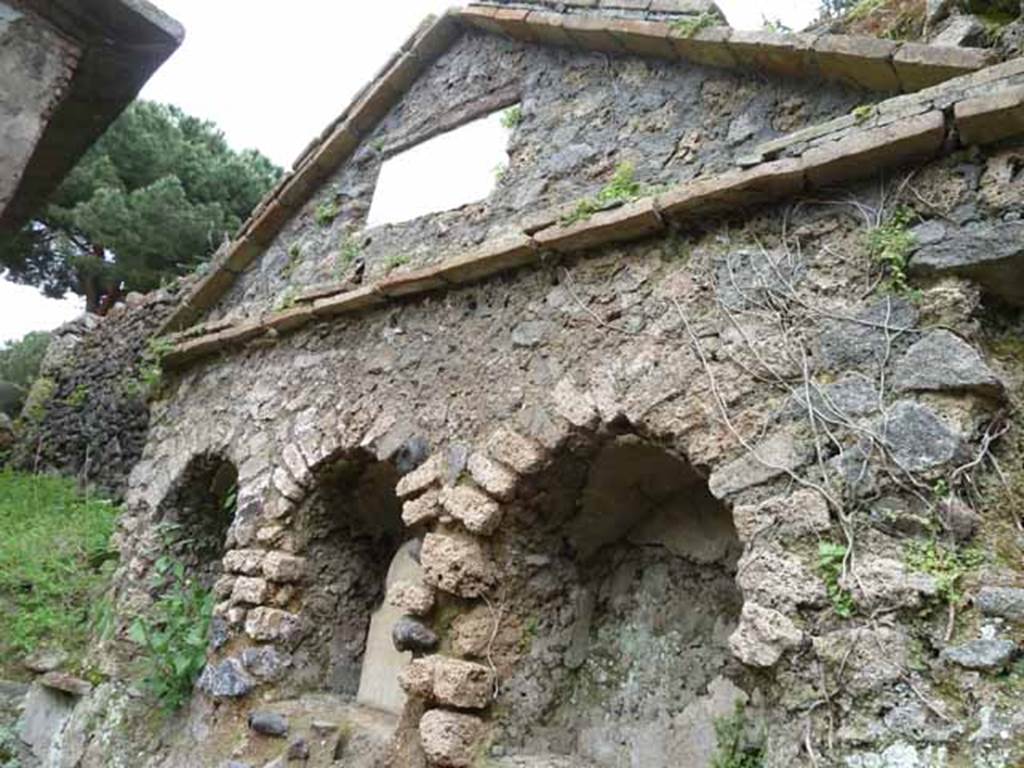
{"points": [[54, 566], [895, 19]]}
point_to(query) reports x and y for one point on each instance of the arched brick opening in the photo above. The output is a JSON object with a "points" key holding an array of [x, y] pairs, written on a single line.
{"points": [[618, 599], [350, 530], [194, 517]]}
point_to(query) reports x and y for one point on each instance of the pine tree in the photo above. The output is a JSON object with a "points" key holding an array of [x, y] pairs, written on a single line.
{"points": [[152, 199]]}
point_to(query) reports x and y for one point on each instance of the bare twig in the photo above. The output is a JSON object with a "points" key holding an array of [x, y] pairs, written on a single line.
{"points": [[490, 642], [724, 413]]}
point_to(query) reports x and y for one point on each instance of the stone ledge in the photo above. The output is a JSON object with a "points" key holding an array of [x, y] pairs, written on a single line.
{"points": [[341, 144], [919, 65], [484, 17], [514, 20], [210, 289], [708, 47], [861, 61], [988, 119], [204, 346], [289, 319], [627, 222], [262, 231], [543, 27], [865, 62], [240, 255], [592, 33], [944, 96], [862, 154], [349, 301], [411, 282], [496, 256], [775, 147], [643, 38], [839, 151], [734, 189], [788, 54]]}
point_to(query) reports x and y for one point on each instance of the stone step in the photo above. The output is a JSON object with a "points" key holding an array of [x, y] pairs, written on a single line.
{"points": [[327, 729]]}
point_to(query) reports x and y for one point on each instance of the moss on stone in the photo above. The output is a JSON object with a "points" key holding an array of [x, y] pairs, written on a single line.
{"points": [[444, 616], [38, 400], [78, 396], [993, 9]]}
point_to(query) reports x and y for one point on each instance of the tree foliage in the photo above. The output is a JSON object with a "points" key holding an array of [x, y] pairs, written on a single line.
{"points": [[19, 365], [832, 9], [20, 360], [151, 199]]}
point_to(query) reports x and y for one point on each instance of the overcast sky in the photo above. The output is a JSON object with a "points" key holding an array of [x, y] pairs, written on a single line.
{"points": [[272, 75]]}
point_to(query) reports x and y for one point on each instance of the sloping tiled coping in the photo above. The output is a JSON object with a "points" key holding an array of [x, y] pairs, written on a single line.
{"points": [[989, 106], [863, 61]]}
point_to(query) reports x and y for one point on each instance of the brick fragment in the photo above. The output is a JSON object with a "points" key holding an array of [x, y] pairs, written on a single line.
{"points": [[988, 119], [858, 60], [867, 152], [627, 222], [919, 65]]}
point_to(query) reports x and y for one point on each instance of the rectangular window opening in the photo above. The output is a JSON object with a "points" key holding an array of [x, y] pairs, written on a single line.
{"points": [[446, 172]]}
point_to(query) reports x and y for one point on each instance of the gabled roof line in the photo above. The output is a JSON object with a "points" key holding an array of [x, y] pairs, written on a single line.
{"points": [[983, 108], [864, 61], [321, 158]]}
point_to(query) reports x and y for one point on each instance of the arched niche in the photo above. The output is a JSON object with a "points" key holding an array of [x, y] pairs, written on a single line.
{"points": [[351, 532], [194, 517], [618, 602]]}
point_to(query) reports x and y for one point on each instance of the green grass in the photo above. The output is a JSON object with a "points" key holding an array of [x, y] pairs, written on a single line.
{"points": [[947, 564], [349, 250], [147, 381], [395, 261], [830, 565], [327, 212], [294, 257], [863, 112], [863, 9], [691, 25], [38, 399], [735, 749], [288, 298], [78, 397], [622, 188], [774, 25], [8, 748], [512, 117], [890, 245], [55, 565]]}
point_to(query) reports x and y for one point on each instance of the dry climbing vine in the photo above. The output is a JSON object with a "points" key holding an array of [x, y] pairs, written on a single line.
{"points": [[773, 298]]}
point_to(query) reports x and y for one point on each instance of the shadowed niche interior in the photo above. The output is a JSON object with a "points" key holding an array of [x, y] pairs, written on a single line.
{"points": [[354, 539], [623, 571], [196, 514]]}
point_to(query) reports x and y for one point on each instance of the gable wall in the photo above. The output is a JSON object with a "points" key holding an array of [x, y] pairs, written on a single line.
{"points": [[583, 114]]}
